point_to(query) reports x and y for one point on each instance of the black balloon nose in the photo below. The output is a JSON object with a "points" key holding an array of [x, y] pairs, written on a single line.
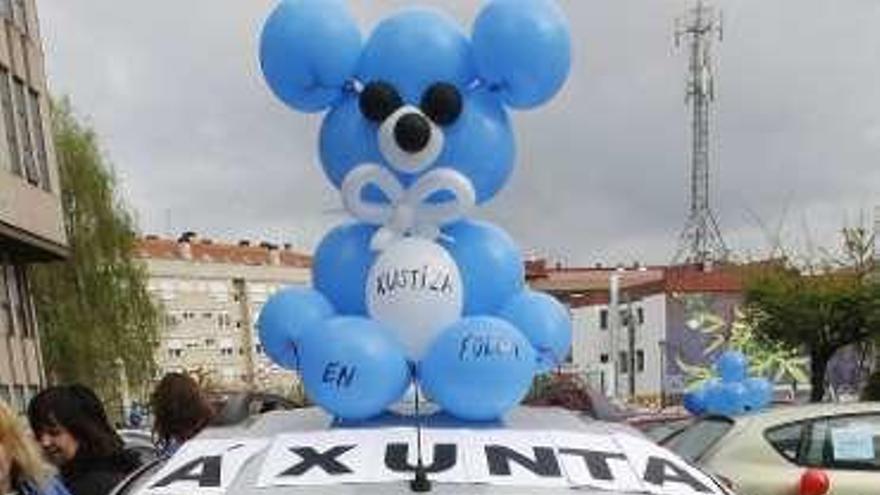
{"points": [[412, 133]]}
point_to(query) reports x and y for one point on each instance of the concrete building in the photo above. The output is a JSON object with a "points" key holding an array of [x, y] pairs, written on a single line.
{"points": [[211, 294], [666, 320], [31, 222]]}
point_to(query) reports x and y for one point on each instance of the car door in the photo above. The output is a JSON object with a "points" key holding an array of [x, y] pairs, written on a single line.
{"points": [[847, 448]]}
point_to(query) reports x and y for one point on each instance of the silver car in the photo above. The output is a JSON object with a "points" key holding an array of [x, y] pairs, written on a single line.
{"points": [[537, 450]]}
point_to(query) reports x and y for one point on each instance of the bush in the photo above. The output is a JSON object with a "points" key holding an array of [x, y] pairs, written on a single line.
{"points": [[871, 391]]}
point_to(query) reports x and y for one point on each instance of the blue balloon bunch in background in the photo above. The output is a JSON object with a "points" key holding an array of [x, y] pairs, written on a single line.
{"points": [[734, 393], [416, 134]]}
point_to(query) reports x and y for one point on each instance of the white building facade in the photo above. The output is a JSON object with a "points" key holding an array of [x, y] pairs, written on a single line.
{"points": [[211, 296]]}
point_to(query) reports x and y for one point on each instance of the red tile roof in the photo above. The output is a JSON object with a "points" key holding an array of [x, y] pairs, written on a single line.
{"points": [[215, 252]]}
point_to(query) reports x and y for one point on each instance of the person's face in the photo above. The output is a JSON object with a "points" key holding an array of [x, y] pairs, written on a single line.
{"points": [[58, 444]]}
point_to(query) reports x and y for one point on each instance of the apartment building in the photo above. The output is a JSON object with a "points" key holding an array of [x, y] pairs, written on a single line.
{"points": [[211, 294], [31, 222]]}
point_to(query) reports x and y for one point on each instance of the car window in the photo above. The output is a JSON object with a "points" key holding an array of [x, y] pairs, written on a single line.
{"points": [[694, 441], [786, 440], [845, 442]]}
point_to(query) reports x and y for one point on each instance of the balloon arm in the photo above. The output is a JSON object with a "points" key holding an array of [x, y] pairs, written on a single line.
{"points": [[409, 212]]}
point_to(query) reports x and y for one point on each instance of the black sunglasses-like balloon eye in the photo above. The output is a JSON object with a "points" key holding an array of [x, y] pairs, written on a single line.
{"points": [[379, 100], [442, 103]]}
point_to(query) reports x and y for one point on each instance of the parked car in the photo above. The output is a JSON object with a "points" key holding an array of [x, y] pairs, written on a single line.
{"points": [[139, 442], [307, 451], [235, 407], [767, 453]]}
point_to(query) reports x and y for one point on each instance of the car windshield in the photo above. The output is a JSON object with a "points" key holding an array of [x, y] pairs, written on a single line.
{"points": [[694, 441]]}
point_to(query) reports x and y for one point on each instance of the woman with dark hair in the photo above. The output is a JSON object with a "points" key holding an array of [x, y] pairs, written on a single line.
{"points": [[71, 426], [180, 412]]}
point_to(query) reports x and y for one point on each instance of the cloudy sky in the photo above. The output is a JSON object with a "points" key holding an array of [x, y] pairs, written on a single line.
{"points": [[199, 143]]}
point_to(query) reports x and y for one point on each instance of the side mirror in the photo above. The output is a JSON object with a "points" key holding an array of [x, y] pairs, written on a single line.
{"points": [[814, 482]]}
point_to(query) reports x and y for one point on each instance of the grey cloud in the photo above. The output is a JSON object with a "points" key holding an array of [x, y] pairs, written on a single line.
{"points": [[174, 90]]}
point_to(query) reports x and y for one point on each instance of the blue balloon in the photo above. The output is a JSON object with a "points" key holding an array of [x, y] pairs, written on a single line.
{"points": [[523, 47], [341, 265], [491, 266], [732, 366], [285, 318], [694, 401], [309, 51], [727, 399], [353, 367], [415, 49], [759, 393], [545, 322], [478, 368]]}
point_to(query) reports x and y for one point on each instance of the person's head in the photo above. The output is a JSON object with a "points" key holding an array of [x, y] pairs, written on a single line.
{"points": [[20, 457], [70, 421], [180, 410]]}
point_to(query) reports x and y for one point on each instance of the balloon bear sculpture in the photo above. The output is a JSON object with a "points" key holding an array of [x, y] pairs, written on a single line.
{"points": [[735, 393], [416, 134]]}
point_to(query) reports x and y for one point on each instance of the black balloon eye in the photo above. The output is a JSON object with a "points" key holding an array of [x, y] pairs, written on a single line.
{"points": [[442, 103], [379, 100]]}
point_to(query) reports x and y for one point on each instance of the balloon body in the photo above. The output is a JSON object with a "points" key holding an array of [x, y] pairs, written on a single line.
{"points": [[728, 399], [478, 368], [308, 51], [759, 393], [415, 289], [523, 47], [491, 266], [545, 322], [353, 367], [695, 402], [285, 318], [342, 262], [732, 366], [814, 482]]}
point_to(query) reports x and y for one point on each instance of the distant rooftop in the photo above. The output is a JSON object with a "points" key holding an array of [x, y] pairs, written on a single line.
{"points": [[189, 247]]}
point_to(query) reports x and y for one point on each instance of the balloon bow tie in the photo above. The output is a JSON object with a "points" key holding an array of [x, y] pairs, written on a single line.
{"points": [[408, 212]]}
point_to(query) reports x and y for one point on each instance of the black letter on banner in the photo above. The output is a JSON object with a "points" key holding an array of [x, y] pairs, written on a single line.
{"points": [[545, 462], [208, 477], [326, 461], [597, 462], [656, 474], [445, 457]]}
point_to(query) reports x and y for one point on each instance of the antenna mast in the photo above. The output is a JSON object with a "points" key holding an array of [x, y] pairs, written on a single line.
{"points": [[700, 241]]}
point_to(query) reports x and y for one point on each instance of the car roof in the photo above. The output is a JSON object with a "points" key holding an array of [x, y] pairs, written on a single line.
{"points": [[794, 413], [313, 419]]}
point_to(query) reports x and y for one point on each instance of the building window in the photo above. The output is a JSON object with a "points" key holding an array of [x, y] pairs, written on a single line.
{"points": [[9, 121], [5, 306], [20, 15], [603, 358], [624, 362], [19, 301], [641, 315], [259, 349], [226, 351], [175, 353], [640, 361], [21, 114], [40, 138], [603, 319], [210, 342]]}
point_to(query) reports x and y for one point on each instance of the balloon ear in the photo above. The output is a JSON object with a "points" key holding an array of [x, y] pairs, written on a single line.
{"points": [[522, 49], [309, 51]]}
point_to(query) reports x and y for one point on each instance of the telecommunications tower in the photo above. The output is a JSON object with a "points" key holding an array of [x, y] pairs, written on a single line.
{"points": [[701, 240]]}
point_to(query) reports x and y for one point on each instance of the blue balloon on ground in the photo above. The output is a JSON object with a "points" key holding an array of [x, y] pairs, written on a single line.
{"points": [[285, 318], [478, 368], [732, 366], [491, 266], [545, 322], [694, 401], [341, 265], [353, 367], [309, 50], [523, 47], [759, 393]]}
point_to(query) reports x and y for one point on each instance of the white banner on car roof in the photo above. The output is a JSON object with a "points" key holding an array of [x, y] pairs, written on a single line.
{"points": [[539, 458]]}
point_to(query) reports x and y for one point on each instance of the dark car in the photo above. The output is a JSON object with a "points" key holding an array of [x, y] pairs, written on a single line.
{"points": [[236, 407]]}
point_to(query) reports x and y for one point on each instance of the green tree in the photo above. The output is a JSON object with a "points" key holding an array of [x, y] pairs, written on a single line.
{"points": [[817, 311], [98, 323]]}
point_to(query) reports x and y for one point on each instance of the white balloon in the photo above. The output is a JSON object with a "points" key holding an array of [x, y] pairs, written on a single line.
{"points": [[415, 288]]}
